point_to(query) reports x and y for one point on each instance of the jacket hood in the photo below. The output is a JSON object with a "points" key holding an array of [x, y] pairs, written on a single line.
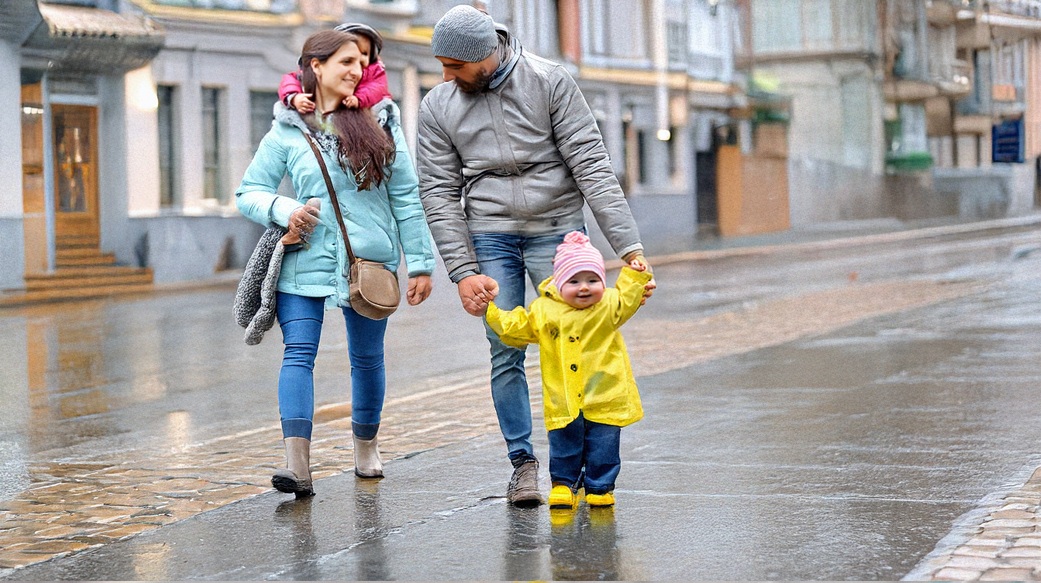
{"points": [[513, 50], [548, 290], [290, 117], [386, 111]]}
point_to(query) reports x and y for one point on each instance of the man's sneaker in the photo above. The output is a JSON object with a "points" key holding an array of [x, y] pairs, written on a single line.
{"points": [[562, 497], [524, 485], [600, 499]]}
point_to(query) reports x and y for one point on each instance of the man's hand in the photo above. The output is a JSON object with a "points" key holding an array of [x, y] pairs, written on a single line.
{"points": [[419, 288], [639, 263], [302, 102], [475, 292]]}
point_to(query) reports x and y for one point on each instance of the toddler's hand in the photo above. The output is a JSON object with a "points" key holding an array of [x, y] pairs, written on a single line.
{"points": [[351, 102], [302, 103], [639, 263]]}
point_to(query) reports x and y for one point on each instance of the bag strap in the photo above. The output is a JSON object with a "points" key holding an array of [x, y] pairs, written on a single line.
{"points": [[332, 195]]}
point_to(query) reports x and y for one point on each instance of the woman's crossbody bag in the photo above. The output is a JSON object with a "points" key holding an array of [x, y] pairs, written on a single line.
{"points": [[374, 290]]}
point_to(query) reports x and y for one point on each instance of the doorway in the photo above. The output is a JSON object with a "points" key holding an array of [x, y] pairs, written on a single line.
{"points": [[75, 175]]}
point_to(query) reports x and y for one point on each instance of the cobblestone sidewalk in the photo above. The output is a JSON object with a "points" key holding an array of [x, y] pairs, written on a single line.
{"points": [[85, 503]]}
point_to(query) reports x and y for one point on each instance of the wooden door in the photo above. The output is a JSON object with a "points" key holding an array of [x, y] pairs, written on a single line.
{"points": [[34, 205], [76, 177]]}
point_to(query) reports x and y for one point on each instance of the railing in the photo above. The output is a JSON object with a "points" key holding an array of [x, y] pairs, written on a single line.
{"points": [[1029, 8], [274, 6]]}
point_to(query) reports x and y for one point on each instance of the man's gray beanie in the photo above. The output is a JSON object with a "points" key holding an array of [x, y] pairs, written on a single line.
{"points": [[465, 34]]}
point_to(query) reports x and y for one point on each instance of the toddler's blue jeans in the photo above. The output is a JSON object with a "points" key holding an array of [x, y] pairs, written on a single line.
{"points": [[584, 443]]}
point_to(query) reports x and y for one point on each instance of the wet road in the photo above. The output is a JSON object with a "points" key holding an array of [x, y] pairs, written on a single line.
{"points": [[840, 455]]}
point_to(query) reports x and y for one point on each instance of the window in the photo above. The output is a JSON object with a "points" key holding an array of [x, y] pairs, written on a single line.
{"points": [[817, 24], [776, 25], [597, 28], [676, 42], [261, 110], [535, 22], [213, 155], [168, 167], [641, 156]]}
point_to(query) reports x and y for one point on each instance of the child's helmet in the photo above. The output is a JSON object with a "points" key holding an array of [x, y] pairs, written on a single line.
{"points": [[371, 33]]}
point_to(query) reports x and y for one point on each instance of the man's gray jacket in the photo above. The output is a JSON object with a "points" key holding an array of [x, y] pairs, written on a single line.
{"points": [[521, 157]]}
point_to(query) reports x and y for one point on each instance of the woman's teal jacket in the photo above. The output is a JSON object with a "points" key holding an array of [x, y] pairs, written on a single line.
{"points": [[382, 222]]}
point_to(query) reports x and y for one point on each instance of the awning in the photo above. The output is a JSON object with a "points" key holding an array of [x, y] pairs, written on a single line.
{"points": [[94, 40]]}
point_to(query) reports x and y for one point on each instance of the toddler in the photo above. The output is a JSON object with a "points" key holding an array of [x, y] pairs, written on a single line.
{"points": [[371, 89], [588, 389]]}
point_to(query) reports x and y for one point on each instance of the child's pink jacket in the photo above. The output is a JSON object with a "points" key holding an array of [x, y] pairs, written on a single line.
{"points": [[370, 90]]}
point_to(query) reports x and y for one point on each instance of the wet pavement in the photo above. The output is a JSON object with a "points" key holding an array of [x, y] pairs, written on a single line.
{"points": [[834, 427]]}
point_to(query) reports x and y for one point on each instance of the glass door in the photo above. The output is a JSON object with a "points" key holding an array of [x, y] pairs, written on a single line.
{"points": [[76, 180]]}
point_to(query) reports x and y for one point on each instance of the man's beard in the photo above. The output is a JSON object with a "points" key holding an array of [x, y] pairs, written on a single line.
{"points": [[479, 84]]}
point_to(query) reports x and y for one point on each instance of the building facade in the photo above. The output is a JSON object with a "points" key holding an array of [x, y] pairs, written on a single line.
{"points": [[171, 109], [896, 104]]}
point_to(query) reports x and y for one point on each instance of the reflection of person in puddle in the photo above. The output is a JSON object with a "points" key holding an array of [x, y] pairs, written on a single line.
{"points": [[523, 547], [294, 518], [588, 389], [584, 547], [368, 522]]}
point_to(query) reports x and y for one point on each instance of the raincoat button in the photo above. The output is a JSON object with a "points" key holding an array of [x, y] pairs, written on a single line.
{"points": [[571, 338], [574, 368]]}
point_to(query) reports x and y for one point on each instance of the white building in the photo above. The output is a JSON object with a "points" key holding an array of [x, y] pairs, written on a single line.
{"points": [[172, 106]]}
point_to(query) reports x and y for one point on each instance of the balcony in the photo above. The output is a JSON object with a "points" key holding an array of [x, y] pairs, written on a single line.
{"points": [[1027, 8], [271, 6], [954, 79]]}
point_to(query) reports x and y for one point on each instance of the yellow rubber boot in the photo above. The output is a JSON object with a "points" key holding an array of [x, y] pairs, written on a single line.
{"points": [[600, 500], [562, 497]]}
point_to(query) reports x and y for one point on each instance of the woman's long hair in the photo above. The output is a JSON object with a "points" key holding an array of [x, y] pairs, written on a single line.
{"points": [[365, 148]]}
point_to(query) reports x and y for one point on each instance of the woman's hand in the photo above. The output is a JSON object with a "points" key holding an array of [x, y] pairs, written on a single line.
{"points": [[303, 220], [419, 288]]}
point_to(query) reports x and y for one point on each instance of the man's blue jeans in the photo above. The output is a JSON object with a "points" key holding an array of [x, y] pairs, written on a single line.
{"points": [[508, 259], [301, 321], [589, 445]]}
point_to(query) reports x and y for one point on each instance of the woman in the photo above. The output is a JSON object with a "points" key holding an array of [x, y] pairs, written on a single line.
{"points": [[379, 197]]}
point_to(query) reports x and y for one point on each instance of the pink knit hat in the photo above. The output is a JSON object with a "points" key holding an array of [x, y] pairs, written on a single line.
{"points": [[574, 255]]}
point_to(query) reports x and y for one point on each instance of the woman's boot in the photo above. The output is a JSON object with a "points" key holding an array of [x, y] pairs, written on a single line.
{"points": [[367, 463], [296, 478]]}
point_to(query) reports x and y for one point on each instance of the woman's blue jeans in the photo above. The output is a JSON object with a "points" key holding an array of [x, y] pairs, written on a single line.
{"points": [[301, 321], [508, 259], [589, 445]]}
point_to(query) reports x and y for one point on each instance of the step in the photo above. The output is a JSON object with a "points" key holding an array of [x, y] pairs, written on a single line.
{"points": [[74, 277], [77, 241], [79, 252], [83, 260], [26, 298]]}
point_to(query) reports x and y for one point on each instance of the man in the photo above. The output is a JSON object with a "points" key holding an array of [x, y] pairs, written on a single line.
{"points": [[510, 136]]}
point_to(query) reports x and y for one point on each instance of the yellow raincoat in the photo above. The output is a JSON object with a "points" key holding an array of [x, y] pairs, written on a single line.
{"points": [[585, 366]]}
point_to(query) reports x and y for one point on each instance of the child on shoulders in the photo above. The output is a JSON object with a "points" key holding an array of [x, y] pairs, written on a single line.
{"points": [[370, 90]]}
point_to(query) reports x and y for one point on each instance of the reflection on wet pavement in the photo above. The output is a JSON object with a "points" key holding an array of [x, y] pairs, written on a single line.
{"points": [[175, 475]]}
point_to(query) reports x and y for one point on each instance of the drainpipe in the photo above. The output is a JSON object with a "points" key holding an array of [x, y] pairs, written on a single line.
{"points": [[660, 57], [48, 172]]}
